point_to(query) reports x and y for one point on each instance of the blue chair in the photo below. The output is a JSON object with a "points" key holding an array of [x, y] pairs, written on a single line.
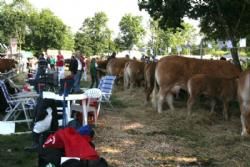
{"points": [[106, 86]]}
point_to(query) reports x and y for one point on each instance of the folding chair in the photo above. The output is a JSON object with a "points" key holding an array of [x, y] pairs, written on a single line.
{"points": [[17, 104], [106, 86]]}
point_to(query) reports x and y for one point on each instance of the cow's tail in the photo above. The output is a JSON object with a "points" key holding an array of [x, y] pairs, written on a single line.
{"points": [[155, 93]]}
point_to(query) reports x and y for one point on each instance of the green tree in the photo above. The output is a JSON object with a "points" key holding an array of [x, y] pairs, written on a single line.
{"points": [[83, 43], [119, 44], [45, 31], [94, 36], [220, 19], [132, 31], [182, 36], [161, 39], [13, 20], [68, 40]]}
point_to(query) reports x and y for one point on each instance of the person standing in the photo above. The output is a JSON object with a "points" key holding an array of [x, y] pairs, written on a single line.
{"points": [[60, 65], [52, 62], [93, 73], [84, 67], [73, 65], [42, 65], [48, 59], [113, 56], [29, 65], [78, 74]]}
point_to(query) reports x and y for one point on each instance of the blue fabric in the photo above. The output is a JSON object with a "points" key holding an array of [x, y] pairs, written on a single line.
{"points": [[66, 86], [106, 83], [85, 130], [77, 78], [66, 89], [106, 86]]}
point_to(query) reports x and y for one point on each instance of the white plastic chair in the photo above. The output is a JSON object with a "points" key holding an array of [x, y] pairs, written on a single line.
{"points": [[92, 106]]}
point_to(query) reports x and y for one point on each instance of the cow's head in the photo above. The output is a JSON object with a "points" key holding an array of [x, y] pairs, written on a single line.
{"points": [[245, 121]]}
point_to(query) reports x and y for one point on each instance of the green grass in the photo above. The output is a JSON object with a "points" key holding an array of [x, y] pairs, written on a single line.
{"points": [[117, 102], [12, 152]]}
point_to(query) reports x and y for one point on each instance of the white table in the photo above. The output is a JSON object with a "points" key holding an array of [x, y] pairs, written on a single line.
{"points": [[69, 98]]}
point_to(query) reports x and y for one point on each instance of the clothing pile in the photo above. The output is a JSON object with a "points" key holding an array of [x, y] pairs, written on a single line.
{"points": [[75, 144], [53, 143]]}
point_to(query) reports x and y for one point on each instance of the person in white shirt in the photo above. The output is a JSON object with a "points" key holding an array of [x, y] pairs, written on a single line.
{"points": [[77, 76]]}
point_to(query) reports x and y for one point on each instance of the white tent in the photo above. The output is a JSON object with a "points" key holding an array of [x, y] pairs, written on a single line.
{"points": [[131, 53]]}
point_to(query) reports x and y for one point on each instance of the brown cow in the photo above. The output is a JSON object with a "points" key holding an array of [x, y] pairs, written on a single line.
{"points": [[133, 73], [244, 100], [149, 76], [102, 65], [173, 72], [224, 89], [116, 66], [7, 65]]}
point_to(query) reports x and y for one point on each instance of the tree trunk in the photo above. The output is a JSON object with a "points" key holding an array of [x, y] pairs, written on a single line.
{"points": [[235, 56], [230, 36]]}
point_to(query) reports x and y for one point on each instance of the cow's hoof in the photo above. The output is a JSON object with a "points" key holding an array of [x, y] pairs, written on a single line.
{"points": [[159, 111], [244, 134]]}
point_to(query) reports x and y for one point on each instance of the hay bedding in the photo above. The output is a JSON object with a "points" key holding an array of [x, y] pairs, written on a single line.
{"points": [[136, 136]]}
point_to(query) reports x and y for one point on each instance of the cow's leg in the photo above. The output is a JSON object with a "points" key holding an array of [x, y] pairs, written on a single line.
{"points": [[170, 98], [161, 97], [191, 98], [225, 110], [155, 96], [244, 130], [128, 82], [242, 119], [160, 103], [190, 104], [213, 102], [125, 81], [148, 90], [147, 94], [132, 83]]}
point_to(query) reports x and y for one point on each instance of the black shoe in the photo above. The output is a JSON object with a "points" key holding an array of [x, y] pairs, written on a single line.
{"points": [[32, 148]]}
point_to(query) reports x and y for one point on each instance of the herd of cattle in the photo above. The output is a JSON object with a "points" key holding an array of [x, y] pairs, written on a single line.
{"points": [[217, 79]]}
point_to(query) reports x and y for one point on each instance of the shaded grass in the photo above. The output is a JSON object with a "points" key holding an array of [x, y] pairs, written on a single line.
{"points": [[117, 103], [12, 151]]}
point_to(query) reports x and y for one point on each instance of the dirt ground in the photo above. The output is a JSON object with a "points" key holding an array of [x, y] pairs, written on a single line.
{"points": [[133, 135]]}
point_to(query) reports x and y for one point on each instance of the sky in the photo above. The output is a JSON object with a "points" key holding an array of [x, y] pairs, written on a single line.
{"points": [[73, 12]]}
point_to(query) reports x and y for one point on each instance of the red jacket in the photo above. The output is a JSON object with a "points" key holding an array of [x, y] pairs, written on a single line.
{"points": [[74, 144], [60, 61]]}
